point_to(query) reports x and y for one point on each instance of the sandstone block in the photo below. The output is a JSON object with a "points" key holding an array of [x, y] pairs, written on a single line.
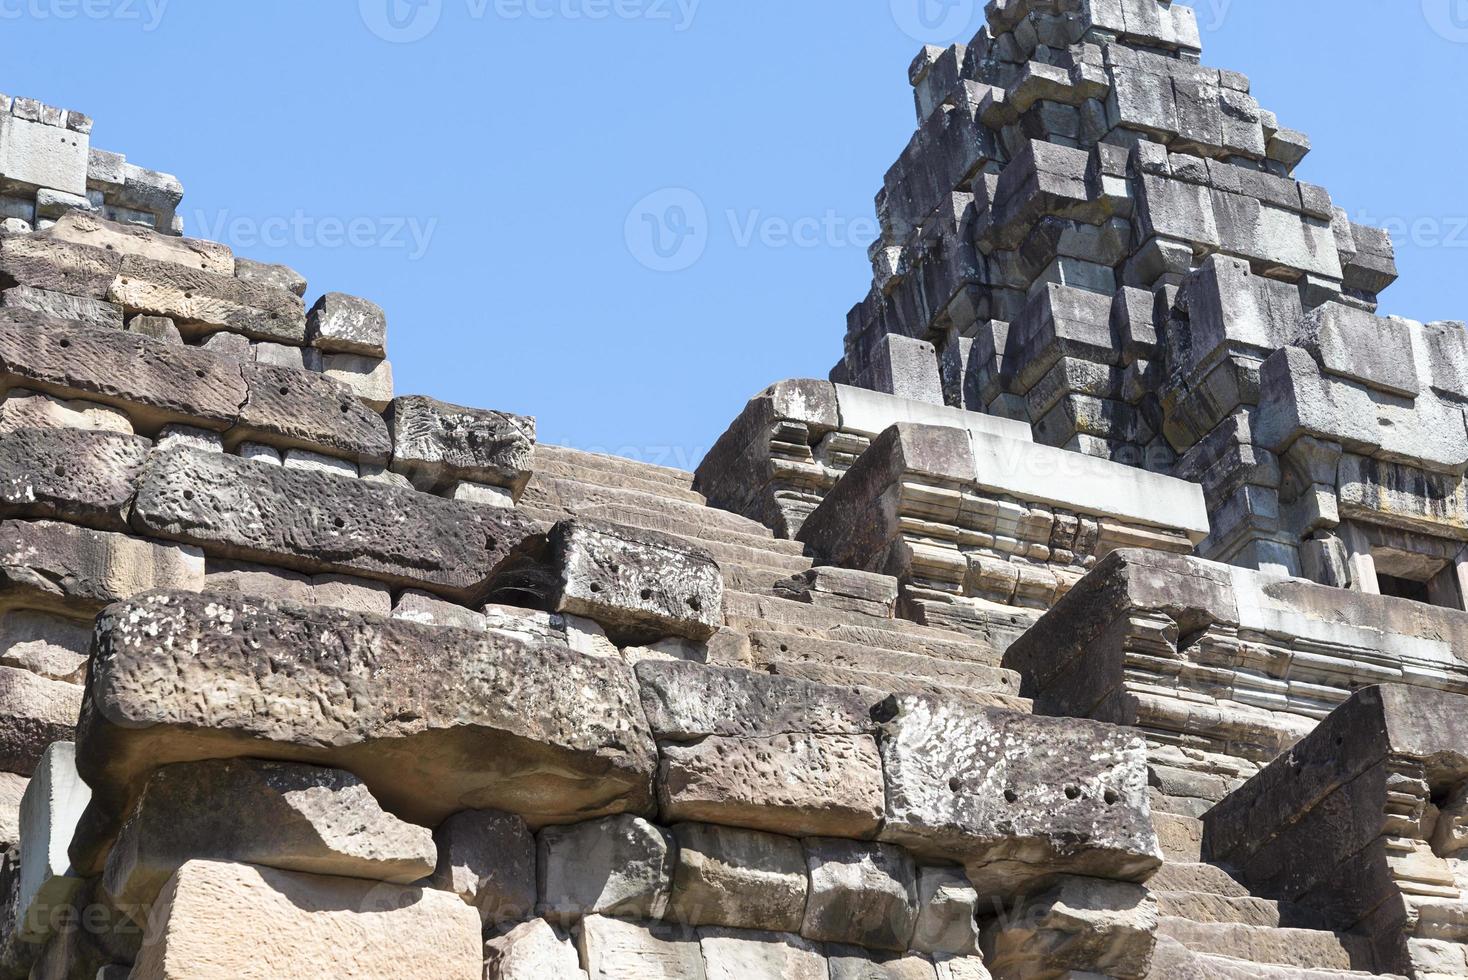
{"points": [[234, 508], [1016, 797], [1081, 924], [487, 858], [620, 866], [37, 154], [236, 921], [61, 267], [429, 610], [157, 327], [70, 474], [432, 720], [22, 409], [12, 789], [270, 274], [436, 444], [861, 893], [947, 913], [277, 815], [46, 645], [533, 950], [342, 324], [798, 784], [153, 381], [855, 963], [81, 309], [34, 713], [292, 409], [49, 811], [369, 378], [88, 229], [640, 585], [202, 302], [686, 701], [739, 879], [77, 571], [613, 950], [733, 955]]}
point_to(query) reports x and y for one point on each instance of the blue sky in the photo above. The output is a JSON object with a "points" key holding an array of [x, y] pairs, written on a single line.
{"points": [[476, 166]]}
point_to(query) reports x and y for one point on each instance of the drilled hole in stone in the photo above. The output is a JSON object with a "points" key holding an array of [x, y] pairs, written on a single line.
{"points": [[188, 495], [955, 784], [60, 471], [1010, 796], [1112, 797], [284, 390], [596, 586], [694, 604], [339, 523], [188, 295], [66, 343], [646, 594], [1072, 792], [346, 408]]}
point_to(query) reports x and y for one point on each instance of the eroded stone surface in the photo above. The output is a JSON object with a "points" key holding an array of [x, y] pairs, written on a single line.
{"points": [[431, 719], [640, 585], [739, 879], [315, 522], [1017, 797], [436, 443], [487, 858], [301, 818], [799, 784], [620, 866], [228, 921]]}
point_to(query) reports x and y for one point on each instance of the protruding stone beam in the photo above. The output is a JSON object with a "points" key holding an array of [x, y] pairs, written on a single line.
{"points": [[1359, 822], [972, 515], [1234, 665], [433, 720]]}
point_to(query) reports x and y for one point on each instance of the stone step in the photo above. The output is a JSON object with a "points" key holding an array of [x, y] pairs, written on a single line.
{"points": [[568, 461], [792, 648], [1174, 961], [722, 551], [1261, 944], [1206, 907], [753, 613], [700, 525], [565, 497], [578, 492], [1194, 876], [751, 578], [893, 684], [1181, 836]]}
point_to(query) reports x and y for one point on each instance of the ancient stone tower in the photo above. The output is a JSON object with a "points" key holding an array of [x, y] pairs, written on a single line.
{"points": [[1101, 616]]}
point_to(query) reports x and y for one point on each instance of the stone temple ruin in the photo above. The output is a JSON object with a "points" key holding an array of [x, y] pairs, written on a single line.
{"points": [[1102, 615]]}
